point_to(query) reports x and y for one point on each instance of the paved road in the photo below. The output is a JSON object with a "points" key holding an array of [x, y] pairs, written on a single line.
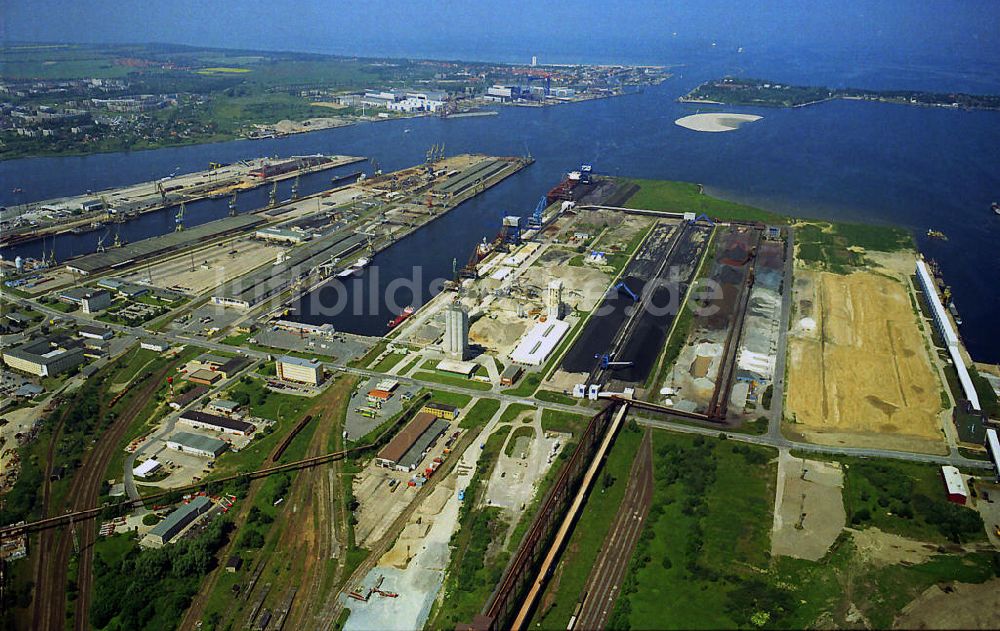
{"points": [[772, 438]]}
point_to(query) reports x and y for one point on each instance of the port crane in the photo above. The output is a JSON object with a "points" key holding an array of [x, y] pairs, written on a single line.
{"points": [[622, 286], [607, 361], [100, 242], [179, 219], [536, 217], [232, 205], [295, 188], [272, 198]]}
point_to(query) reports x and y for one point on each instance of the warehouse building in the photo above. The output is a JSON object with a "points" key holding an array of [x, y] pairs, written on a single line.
{"points": [[291, 368], [407, 448], [95, 332], [281, 235], [270, 280], [204, 377], [175, 522], [539, 342], [45, 357], [91, 300], [154, 345], [948, 333], [147, 468], [186, 442], [162, 244], [954, 484], [203, 420]]}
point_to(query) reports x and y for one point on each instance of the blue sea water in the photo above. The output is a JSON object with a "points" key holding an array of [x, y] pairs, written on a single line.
{"points": [[916, 167]]}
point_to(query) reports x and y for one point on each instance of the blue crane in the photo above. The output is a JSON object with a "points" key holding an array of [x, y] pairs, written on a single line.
{"points": [[606, 361], [621, 285], [536, 217]]}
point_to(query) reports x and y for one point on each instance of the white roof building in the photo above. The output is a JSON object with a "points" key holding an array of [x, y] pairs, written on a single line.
{"points": [[539, 342], [954, 481], [146, 468]]}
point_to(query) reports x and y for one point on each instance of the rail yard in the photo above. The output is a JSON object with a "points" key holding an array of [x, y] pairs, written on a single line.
{"points": [[504, 452]]}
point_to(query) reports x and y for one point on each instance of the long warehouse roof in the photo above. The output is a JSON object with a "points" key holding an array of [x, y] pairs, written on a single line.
{"points": [[159, 245], [305, 258]]}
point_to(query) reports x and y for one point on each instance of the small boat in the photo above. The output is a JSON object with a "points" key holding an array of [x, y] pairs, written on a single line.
{"points": [[937, 234], [996, 208], [401, 318]]}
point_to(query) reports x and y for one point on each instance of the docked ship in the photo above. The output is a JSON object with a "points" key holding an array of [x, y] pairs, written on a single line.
{"points": [[354, 270], [401, 318]]}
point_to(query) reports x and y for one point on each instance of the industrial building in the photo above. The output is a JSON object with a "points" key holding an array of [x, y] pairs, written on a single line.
{"points": [[281, 235], [993, 448], [147, 468], [407, 448], [224, 406], [203, 420], [958, 492], [95, 332], [270, 280], [510, 374], [539, 342], [298, 369], [948, 333], [163, 532], [186, 442], [163, 244], [441, 410], [466, 369], [204, 377], [90, 300], [553, 301], [154, 345], [45, 357], [456, 331]]}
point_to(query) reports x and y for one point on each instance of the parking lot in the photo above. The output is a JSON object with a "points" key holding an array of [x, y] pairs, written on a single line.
{"points": [[360, 423], [337, 346], [206, 320]]}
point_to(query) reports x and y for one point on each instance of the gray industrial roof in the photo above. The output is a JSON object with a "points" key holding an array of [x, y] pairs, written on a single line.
{"points": [[298, 361], [415, 453], [301, 260], [471, 176], [164, 527], [161, 244], [196, 441]]}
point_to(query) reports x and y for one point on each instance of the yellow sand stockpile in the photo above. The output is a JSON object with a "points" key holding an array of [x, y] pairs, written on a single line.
{"points": [[859, 372]]}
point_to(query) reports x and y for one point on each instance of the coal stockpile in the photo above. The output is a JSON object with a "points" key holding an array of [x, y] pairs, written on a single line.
{"points": [[649, 333], [596, 337]]}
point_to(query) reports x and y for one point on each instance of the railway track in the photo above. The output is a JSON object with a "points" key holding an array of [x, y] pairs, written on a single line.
{"points": [[605, 580]]}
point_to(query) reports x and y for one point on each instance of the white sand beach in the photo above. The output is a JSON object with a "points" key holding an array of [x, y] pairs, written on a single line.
{"points": [[716, 121]]}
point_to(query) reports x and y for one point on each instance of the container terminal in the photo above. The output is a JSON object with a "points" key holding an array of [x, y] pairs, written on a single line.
{"points": [[91, 211]]}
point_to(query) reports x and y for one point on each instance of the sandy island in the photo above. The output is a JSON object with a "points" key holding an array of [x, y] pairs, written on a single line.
{"points": [[715, 122]]}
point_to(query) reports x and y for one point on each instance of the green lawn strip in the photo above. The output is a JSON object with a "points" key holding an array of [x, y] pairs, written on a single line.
{"points": [[480, 414], [564, 422], [476, 563], [555, 397], [513, 411], [450, 398], [523, 430], [450, 380], [582, 550], [370, 356], [406, 369], [388, 362]]}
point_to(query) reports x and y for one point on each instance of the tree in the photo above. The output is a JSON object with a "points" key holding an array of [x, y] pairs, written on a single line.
{"points": [[150, 519]]}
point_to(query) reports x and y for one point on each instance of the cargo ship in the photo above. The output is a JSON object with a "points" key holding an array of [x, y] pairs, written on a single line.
{"points": [[565, 191], [401, 318]]}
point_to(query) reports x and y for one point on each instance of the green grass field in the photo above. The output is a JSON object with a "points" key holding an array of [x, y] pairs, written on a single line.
{"points": [[839, 247], [480, 414], [687, 197], [451, 380]]}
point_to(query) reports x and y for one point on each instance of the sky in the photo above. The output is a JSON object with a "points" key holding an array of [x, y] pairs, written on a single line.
{"points": [[632, 31]]}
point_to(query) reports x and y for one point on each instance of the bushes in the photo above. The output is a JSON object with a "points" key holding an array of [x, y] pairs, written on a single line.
{"points": [[152, 588]]}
